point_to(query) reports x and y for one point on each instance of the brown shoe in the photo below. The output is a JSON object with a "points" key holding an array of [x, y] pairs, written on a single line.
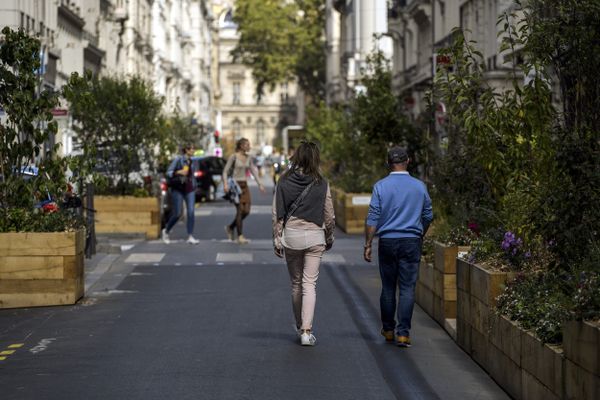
{"points": [[388, 335], [402, 341]]}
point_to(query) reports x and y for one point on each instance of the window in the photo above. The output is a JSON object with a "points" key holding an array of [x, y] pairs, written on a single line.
{"points": [[236, 93], [284, 93], [236, 127], [260, 131]]}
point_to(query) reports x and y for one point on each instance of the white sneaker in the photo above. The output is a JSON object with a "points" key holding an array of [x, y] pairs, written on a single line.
{"points": [[165, 236], [192, 240], [307, 339]]}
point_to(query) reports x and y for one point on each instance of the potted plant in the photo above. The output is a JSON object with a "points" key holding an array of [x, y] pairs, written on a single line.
{"points": [[41, 239], [122, 119]]}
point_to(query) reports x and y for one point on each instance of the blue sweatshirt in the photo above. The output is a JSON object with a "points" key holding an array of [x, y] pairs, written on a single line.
{"points": [[400, 207]]}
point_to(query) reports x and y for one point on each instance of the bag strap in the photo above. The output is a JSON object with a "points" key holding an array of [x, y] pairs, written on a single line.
{"points": [[297, 202]]}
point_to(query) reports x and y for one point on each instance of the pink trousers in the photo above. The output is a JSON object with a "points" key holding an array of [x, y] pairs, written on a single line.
{"points": [[303, 266]]}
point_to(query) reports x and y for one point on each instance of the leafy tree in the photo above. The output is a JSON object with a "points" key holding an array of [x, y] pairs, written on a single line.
{"points": [[176, 130], [29, 122], [355, 137], [24, 138], [564, 38], [121, 119], [499, 139], [538, 167], [281, 41]]}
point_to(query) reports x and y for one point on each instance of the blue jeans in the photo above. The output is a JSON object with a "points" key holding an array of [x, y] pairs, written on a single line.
{"points": [[398, 266], [177, 199]]}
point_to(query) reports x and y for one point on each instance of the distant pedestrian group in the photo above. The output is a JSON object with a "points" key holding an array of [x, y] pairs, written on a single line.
{"points": [[303, 224]]}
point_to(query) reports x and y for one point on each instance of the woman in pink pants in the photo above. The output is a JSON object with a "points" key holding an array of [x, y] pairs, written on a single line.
{"points": [[303, 226]]}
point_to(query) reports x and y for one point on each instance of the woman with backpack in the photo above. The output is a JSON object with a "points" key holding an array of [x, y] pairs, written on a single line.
{"points": [[238, 165], [303, 227], [182, 182]]}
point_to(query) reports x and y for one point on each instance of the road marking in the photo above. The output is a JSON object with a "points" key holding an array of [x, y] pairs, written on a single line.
{"points": [[234, 257], [145, 257], [42, 345], [203, 213], [334, 258], [3, 358], [7, 352], [178, 264], [16, 345], [199, 264], [125, 247], [141, 273]]}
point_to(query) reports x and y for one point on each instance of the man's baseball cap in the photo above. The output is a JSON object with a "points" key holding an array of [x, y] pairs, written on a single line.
{"points": [[397, 155]]}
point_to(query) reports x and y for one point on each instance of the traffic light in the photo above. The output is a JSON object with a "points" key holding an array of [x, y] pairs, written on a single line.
{"points": [[216, 136]]}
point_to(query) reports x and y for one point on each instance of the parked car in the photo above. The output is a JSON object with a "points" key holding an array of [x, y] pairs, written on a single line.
{"points": [[208, 176], [209, 170]]}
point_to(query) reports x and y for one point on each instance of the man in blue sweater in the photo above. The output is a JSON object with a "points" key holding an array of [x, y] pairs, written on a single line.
{"points": [[400, 214]]}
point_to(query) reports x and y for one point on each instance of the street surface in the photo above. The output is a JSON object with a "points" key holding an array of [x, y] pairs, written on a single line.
{"points": [[214, 321]]}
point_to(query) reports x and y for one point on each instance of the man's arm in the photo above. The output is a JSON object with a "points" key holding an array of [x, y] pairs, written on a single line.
{"points": [[427, 213], [371, 223], [369, 235]]}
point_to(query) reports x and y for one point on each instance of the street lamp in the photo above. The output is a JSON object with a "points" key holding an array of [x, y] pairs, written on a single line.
{"points": [[284, 135]]}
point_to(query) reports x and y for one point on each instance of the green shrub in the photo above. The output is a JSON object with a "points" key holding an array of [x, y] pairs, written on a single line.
{"points": [[538, 302], [355, 137], [34, 220]]}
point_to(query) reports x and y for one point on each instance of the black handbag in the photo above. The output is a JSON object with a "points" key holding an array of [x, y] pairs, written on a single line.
{"points": [[178, 182]]}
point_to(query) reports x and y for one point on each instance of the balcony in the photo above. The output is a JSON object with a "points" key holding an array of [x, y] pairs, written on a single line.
{"points": [[68, 13]]}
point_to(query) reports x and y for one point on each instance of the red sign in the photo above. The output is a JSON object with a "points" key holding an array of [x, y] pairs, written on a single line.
{"points": [[60, 112]]}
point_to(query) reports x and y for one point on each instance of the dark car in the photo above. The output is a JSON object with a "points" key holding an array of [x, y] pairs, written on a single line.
{"points": [[208, 176]]}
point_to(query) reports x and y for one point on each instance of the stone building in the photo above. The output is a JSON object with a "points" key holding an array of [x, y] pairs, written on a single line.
{"points": [[239, 112], [354, 28], [165, 42]]}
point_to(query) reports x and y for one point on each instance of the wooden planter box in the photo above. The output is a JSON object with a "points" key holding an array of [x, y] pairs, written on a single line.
{"points": [[524, 366], [351, 210], [477, 289], [444, 281], [424, 290], [128, 214], [41, 269], [581, 341]]}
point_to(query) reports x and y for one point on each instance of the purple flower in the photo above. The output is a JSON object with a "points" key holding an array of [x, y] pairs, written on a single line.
{"points": [[514, 251], [509, 236], [505, 245], [527, 254]]}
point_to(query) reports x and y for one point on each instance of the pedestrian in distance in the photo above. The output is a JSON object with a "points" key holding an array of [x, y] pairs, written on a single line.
{"points": [[182, 182], [399, 214], [239, 165], [303, 227]]}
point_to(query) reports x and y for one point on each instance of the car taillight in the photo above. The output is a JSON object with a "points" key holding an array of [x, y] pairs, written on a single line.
{"points": [[199, 174]]}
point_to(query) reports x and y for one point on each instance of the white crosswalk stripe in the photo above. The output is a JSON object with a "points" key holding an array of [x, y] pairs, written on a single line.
{"points": [[234, 257], [144, 257]]}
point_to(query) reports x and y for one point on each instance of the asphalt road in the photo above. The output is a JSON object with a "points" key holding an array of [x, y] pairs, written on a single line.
{"points": [[214, 321]]}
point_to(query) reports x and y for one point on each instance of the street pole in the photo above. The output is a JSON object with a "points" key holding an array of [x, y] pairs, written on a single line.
{"points": [[285, 136]]}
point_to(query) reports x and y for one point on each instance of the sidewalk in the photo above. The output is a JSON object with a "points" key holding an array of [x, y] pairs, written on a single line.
{"points": [[108, 251]]}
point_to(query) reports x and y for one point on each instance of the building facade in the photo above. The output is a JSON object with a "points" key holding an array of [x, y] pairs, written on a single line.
{"points": [[238, 111], [420, 28], [354, 29], [165, 42], [181, 57]]}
